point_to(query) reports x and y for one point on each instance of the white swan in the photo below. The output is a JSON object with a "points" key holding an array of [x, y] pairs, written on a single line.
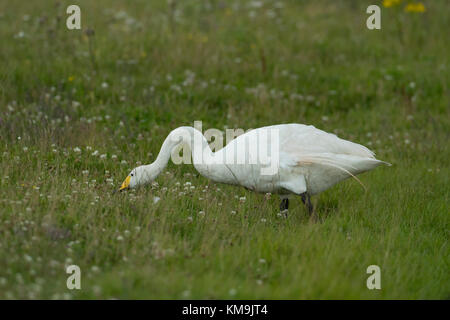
{"points": [[302, 160]]}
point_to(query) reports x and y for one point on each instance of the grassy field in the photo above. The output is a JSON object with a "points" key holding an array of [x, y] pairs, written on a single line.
{"points": [[79, 109]]}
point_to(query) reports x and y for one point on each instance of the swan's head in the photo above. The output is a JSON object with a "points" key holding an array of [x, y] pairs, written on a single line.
{"points": [[137, 177]]}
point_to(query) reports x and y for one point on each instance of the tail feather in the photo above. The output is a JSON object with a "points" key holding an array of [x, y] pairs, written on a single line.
{"points": [[343, 163]]}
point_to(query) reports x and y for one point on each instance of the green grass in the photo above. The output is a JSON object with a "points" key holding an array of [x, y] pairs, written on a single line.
{"points": [[312, 62]]}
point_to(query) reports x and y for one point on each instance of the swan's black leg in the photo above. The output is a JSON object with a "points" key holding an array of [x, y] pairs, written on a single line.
{"points": [[306, 199], [303, 195], [284, 205]]}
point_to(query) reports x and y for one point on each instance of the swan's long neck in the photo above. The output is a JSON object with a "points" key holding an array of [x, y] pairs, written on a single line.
{"points": [[201, 152]]}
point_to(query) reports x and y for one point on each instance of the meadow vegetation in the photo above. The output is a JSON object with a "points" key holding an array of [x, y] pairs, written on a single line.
{"points": [[79, 109]]}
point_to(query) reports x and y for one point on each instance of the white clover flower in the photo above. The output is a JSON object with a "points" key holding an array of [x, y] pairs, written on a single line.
{"points": [[19, 35], [95, 269], [103, 156], [186, 293], [77, 150], [95, 153]]}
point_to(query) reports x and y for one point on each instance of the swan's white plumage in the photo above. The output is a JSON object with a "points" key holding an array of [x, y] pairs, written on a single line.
{"points": [[310, 160]]}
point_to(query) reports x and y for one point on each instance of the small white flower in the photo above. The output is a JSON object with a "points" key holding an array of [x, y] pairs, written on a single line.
{"points": [[156, 199], [21, 34], [95, 269], [77, 150], [186, 293]]}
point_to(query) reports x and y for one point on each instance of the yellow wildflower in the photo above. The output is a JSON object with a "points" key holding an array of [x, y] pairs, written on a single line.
{"points": [[71, 78], [415, 7], [391, 3]]}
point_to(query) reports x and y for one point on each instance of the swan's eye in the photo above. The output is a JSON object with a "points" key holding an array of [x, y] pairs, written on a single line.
{"points": [[132, 174]]}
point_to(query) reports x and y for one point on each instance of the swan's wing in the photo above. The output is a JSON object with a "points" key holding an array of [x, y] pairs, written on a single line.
{"points": [[302, 139], [311, 150]]}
